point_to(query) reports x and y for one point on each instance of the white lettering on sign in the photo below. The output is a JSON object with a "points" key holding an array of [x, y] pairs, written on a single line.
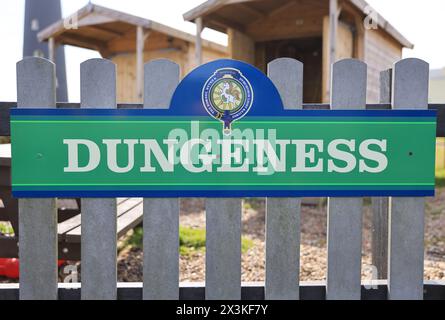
{"points": [[73, 155], [344, 156], [380, 158], [306, 150], [262, 156], [112, 154], [152, 146]]}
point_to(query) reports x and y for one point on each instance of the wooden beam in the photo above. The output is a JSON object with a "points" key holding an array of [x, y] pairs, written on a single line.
{"points": [[84, 42], [333, 25], [282, 8], [217, 19], [198, 41], [58, 27], [275, 11], [203, 9], [325, 61], [273, 29], [51, 49], [140, 43], [105, 31], [252, 11], [330, 23], [241, 46]]}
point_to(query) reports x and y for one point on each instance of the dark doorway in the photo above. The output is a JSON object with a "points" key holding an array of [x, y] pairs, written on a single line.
{"points": [[309, 52]]}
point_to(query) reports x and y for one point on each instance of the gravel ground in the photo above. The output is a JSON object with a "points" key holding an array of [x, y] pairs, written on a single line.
{"points": [[313, 243]]}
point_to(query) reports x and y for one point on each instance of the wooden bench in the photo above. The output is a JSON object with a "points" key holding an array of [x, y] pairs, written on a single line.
{"points": [[129, 215]]}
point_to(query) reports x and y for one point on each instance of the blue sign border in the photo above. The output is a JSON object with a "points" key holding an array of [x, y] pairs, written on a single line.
{"points": [[187, 101]]}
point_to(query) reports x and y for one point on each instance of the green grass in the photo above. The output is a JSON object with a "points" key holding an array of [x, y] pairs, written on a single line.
{"points": [[440, 178], [440, 153], [135, 240], [253, 203], [440, 163], [190, 240], [6, 228]]}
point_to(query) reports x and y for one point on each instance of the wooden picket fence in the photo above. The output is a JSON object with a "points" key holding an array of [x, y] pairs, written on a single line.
{"points": [[38, 222]]}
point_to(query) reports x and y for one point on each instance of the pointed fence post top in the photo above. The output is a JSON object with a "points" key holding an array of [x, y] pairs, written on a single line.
{"points": [[96, 62], [410, 83], [39, 63], [348, 86], [36, 83], [97, 68], [98, 83], [290, 62], [287, 76], [161, 76]]}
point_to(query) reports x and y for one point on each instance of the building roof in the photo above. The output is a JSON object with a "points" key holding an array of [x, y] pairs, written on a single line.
{"points": [[437, 74], [254, 10], [109, 31]]}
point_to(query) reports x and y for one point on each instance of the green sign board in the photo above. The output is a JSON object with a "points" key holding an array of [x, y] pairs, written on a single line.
{"points": [[154, 155], [215, 153]]}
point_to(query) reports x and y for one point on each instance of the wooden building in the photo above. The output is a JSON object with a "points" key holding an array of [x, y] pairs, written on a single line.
{"points": [[316, 32], [437, 85], [128, 41]]}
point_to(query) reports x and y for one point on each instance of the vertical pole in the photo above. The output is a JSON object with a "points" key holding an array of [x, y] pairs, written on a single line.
{"points": [[198, 44], [52, 57], [348, 91], [161, 216], [51, 50], [333, 23], [99, 221], [36, 88], [140, 41], [39, 15], [223, 249], [283, 215], [406, 215], [380, 204]]}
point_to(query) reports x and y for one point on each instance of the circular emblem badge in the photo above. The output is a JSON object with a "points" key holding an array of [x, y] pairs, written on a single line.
{"points": [[227, 96]]}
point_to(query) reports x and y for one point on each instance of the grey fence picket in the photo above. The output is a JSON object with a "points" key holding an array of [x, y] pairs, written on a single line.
{"points": [[348, 91], [99, 222], [406, 216], [283, 215], [223, 249], [36, 87], [380, 205], [161, 216]]}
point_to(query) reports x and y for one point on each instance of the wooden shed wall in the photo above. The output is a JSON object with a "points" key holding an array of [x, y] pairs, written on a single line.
{"points": [[381, 52], [437, 92], [345, 41], [305, 19], [207, 56], [126, 67]]}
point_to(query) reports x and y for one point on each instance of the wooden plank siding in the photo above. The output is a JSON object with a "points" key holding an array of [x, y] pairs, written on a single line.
{"points": [[302, 20], [241, 46], [183, 53], [380, 54]]}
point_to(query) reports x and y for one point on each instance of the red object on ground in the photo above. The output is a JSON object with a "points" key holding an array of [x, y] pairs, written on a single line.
{"points": [[9, 267]]}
